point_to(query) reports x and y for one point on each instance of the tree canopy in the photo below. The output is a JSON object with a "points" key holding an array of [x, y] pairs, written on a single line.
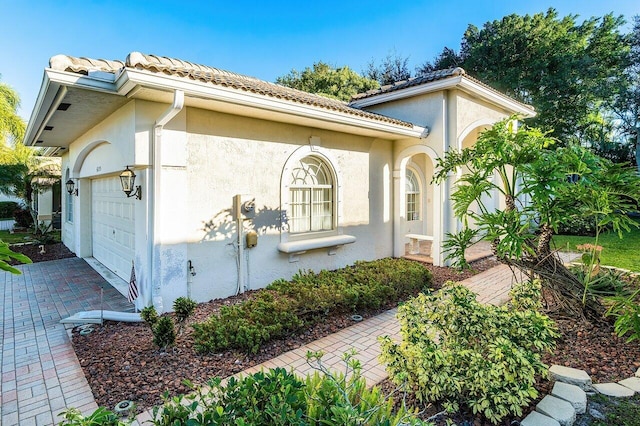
{"points": [[392, 69], [12, 127], [338, 83], [567, 70]]}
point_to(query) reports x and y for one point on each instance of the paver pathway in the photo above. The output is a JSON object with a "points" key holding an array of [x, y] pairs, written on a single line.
{"points": [[41, 374]]}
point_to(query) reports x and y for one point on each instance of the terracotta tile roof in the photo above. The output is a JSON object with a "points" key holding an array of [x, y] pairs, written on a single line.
{"points": [[428, 78], [414, 81], [206, 74]]}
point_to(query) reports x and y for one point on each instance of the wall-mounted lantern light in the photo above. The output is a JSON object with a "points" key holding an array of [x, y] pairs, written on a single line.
{"points": [[128, 180], [71, 187]]}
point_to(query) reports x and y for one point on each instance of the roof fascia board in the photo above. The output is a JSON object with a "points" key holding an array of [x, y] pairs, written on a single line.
{"points": [[460, 82], [46, 94], [131, 78], [434, 86], [506, 102], [81, 81]]}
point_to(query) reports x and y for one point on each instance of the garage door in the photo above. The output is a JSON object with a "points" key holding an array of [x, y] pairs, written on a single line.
{"points": [[113, 226]]}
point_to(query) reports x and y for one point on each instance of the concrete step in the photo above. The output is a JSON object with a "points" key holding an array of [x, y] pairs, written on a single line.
{"points": [[613, 389], [632, 383], [572, 394], [558, 409], [536, 419], [572, 376]]}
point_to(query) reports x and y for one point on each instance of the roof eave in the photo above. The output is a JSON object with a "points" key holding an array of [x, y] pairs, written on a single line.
{"points": [[49, 97], [461, 82], [131, 78], [496, 98]]}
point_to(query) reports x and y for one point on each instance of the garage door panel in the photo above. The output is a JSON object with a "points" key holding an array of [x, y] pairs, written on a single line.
{"points": [[113, 226]]}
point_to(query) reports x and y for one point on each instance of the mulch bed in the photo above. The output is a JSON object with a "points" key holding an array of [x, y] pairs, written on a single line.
{"points": [[36, 253], [121, 362]]}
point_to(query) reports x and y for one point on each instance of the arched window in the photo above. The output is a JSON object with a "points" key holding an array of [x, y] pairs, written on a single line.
{"points": [[412, 192], [311, 196], [68, 200]]}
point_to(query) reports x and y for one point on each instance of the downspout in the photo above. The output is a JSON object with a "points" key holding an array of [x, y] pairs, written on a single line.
{"points": [[153, 201]]}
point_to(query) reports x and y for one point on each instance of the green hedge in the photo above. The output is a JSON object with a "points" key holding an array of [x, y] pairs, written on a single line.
{"points": [[287, 306]]}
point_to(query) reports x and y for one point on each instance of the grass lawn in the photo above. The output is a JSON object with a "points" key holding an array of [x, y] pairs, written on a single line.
{"points": [[621, 253], [22, 237]]}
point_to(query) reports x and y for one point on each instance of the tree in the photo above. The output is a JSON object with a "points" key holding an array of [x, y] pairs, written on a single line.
{"points": [[567, 71], [392, 69], [323, 79], [12, 127], [24, 172], [559, 184], [626, 105]]}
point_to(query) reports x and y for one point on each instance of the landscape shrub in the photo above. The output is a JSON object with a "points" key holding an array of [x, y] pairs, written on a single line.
{"points": [[7, 209], [626, 310], [286, 306], [149, 316], [458, 351], [248, 325], [23, 217], [183, 308], [335, 398], [100, 417], [164, 333]]}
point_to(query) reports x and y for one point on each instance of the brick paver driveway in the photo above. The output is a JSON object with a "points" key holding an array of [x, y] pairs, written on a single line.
{"points": [[40, 371]]}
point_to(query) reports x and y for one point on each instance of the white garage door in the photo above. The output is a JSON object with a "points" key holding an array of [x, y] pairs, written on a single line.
{"points": [[113, 226]]}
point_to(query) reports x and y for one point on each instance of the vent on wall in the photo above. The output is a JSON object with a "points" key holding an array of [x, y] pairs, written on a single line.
{"points": [[48, 127], [63, 106]]}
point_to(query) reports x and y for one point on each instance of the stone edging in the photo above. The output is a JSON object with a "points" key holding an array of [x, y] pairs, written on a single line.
{"points": [[569, 396]]}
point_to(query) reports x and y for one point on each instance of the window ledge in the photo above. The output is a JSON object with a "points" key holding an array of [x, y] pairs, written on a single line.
{"points": [[294, 248]]}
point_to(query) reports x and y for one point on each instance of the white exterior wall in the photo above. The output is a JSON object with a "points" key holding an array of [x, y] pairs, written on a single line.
{"points": [[231, 155]]}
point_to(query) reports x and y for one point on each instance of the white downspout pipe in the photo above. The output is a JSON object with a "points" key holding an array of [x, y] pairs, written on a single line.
{"points": [[153, 200]]}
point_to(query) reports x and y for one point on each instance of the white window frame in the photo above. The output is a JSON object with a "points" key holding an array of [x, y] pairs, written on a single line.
{"points": [[325, 155], [413, 195], [311, 197]]}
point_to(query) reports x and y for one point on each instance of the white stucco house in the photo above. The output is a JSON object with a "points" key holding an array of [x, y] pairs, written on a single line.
{"points": [[242, 181]]}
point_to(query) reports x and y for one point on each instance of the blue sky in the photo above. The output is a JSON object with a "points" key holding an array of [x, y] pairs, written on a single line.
{"points": [[264, 39]]}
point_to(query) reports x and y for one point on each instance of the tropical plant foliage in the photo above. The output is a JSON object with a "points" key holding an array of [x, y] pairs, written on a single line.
{"points": [[557, 184], [460, 352]]}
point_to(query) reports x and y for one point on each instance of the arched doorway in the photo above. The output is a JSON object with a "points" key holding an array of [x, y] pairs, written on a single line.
{"points": [[417, 205]]}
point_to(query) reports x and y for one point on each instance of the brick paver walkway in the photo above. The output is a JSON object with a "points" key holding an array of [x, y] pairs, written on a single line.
{"points": [[41, 374]]}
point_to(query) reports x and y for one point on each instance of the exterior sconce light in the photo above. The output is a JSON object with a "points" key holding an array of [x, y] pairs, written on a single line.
{"points": [[127, 180], [71, 187]]}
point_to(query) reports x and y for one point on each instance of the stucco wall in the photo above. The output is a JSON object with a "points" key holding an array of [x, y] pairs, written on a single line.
{"points": [[230, 155]]}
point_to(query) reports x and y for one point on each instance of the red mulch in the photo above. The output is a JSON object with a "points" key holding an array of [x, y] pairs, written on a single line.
{"points": [[35, 252], [121, 362]]}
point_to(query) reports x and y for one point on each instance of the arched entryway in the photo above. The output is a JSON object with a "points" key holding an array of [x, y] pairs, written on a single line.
{"points": [[417, 204]]}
